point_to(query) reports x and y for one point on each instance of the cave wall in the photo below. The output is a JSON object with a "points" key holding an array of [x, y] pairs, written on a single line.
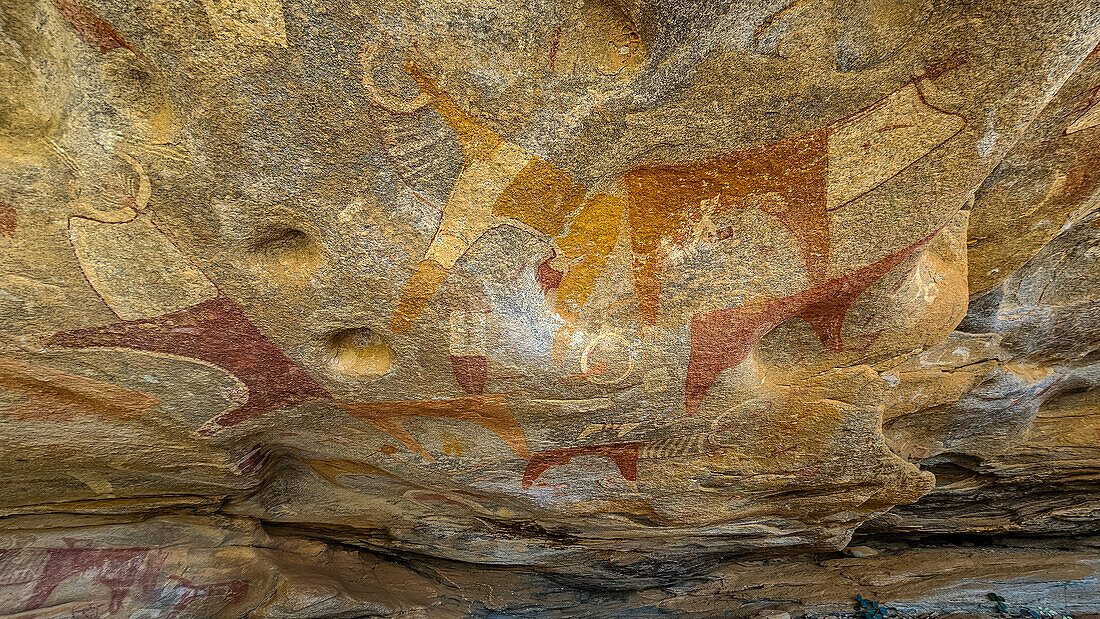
{"points": [[337, 309]]}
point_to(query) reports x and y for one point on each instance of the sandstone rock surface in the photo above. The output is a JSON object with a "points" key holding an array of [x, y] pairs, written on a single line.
{"points": [[436, 308]]}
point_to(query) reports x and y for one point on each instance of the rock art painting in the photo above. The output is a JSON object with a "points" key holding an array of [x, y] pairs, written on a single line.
{"points": [[153, 278], [216, 331], [503, 184], [119, 569], [184, 594], [469, 361], [490, 412], [130, 577], [51, 394], [798, 181], [587, 308], [624, 455], [721, 339], [8, 219], [92, 29]]}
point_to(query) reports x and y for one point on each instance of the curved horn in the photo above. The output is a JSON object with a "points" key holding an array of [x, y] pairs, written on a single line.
{"points": [[384, 101], [144, 188]]}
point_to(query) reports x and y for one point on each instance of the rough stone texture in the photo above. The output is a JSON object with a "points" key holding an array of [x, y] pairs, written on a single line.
{"points": [[330, 309]]}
